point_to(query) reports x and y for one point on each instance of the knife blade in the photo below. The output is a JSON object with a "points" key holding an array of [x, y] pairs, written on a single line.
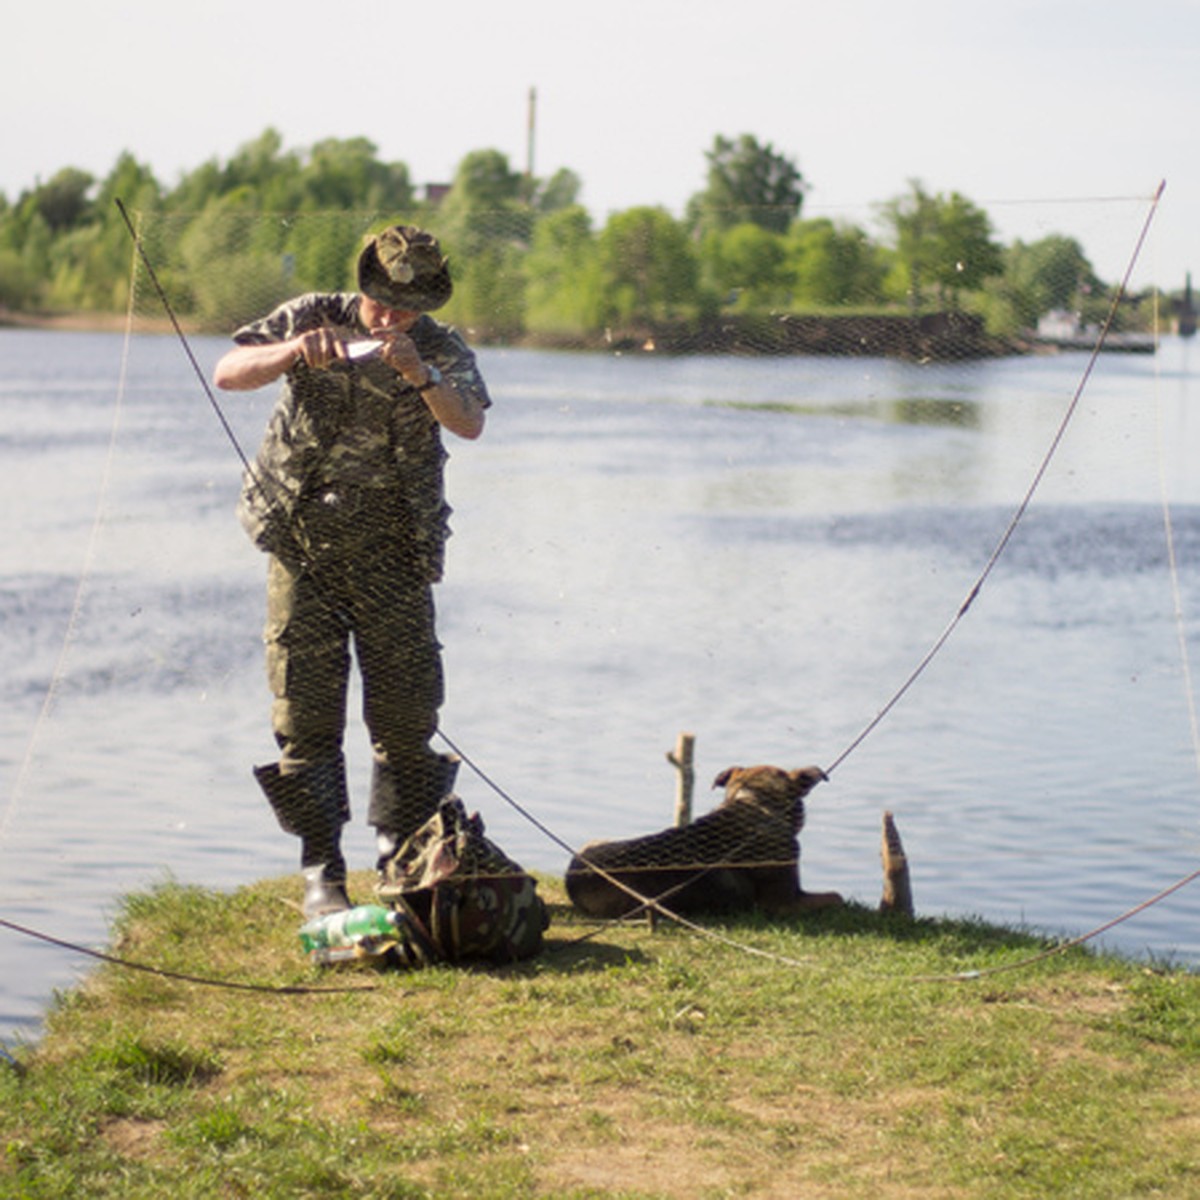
{"points": [[365, 349]]}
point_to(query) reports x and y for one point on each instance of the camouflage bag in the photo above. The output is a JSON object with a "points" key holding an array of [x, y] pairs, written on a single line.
{"points": [[467, 898]]}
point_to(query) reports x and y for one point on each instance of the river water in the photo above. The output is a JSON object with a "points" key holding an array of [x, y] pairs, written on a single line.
{"points": [[756, 552]]}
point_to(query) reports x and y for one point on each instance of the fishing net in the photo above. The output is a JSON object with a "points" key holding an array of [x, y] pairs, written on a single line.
{"points": [[705, 499]]}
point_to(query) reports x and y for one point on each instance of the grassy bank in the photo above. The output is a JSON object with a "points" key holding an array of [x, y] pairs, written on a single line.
{"points": [[633, 1063]]}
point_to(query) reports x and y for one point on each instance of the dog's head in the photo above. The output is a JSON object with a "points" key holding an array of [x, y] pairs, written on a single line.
{"points": [[780, 791]]}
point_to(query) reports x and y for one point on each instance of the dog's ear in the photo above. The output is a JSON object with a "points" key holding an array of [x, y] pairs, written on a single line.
{"points": [[807, 778], [725, 776]]}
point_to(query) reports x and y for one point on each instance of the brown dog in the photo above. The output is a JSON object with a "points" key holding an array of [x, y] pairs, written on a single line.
{"points": [[744, 854]]}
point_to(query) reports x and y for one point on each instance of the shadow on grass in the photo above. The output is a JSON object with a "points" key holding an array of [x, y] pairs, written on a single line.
{"points": [[952, 937], [577, 943]]}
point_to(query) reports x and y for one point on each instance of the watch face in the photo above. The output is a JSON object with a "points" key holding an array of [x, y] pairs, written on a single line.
{"points": [[432, 379]]}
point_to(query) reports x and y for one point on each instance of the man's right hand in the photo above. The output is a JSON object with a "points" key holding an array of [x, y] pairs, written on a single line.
{"points": [[320, 347], [247, 367]]}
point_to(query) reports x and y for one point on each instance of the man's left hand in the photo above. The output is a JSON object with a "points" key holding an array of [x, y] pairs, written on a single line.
{"points": [[400, 353]]}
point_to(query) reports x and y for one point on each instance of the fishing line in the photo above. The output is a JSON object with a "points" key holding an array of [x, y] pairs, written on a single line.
{"points": [[59, 671], [295, 525], [994, 558], [1189, 693], [314, 574], [1173, 570], [645, 903], [187, 349], [854, 744], [1061, 947], [525, 813], [940, 642], [85, 572], [1022, 507], [182, 976], [917, 672]]}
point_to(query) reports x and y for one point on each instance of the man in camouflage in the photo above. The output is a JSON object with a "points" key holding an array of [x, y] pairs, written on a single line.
{"points": [[346, 496]]}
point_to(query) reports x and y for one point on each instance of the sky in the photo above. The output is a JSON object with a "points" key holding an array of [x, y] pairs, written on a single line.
{"points": [[1054, 116]]}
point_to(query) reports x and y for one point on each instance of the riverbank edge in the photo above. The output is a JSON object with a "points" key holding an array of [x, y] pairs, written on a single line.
{"points": [[626, 1061], [940, 336]]}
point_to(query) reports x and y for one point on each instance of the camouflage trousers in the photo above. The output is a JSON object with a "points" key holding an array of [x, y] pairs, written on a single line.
{"points": [[379, 607]]}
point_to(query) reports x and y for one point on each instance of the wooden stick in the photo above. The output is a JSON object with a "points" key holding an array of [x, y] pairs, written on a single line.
{"points": [[681, 759], [897, 886]]}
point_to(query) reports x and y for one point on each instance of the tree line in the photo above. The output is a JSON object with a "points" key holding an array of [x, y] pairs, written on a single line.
{"points": [[231, 239]]}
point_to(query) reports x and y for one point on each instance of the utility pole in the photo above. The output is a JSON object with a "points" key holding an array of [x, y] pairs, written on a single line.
{"points": [[531, 136]]}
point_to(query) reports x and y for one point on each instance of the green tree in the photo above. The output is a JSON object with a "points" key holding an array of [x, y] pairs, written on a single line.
{"points": [[232, 277], [131, 182], [20, 288], [747, 182], [34, 233], [34, 247], [271, 174], [1052, 273], [75, 263], [559, 192], [196, 188], [347, 174], [25, 242], [489, 293], [485, 204], [647, 268], [747, 267], [564, 294], [320, 251], [835, 264], [941, 242], [93, 265], [63, 201], [485, 225]]}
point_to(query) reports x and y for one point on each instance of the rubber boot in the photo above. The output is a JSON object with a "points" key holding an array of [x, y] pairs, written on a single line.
{"points": [[397, 811], [312, 805]]}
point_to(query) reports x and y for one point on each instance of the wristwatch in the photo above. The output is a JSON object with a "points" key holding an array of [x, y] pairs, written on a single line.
{"points": [[432, 379]]}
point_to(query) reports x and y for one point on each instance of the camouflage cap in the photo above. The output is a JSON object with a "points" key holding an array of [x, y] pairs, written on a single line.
{"points": [[403, 267]]}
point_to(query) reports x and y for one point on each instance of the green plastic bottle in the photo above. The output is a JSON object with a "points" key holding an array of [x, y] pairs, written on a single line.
{"points": [[367, 931]]}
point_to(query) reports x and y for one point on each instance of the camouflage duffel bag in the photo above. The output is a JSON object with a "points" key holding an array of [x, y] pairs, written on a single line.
{"points": [[467, 898]]}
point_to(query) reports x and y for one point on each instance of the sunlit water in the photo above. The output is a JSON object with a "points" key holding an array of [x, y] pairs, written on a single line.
{"points": [[757, 552]]}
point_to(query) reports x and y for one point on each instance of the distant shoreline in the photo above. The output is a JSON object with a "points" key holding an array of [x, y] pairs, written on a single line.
{"points": [[940, 337], [85, 322]]}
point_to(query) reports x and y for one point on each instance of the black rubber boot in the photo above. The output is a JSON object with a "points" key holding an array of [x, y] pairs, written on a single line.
{"points": [[312, 804], [397, 810]]}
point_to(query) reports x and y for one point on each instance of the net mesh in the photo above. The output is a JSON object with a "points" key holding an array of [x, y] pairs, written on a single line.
{"points": [[164, 669], [903, 279]]}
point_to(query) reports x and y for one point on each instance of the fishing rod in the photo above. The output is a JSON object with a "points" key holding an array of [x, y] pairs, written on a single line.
{"points": [[1026, 500], [258, 476], [166, 303]]}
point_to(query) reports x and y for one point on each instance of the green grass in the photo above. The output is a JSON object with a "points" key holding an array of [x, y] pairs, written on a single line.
{"points": [[838, 1061]]}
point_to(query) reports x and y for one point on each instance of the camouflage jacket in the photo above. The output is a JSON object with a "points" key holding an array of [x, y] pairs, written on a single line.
{"points": [[352, 459]]}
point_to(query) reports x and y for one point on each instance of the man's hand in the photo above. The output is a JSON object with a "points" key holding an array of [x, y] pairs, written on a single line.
{"points": [[400, 353], [320, 347], [459, 414]]}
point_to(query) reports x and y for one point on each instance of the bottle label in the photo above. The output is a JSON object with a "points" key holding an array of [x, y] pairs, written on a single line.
{"points": [[367, 931]]}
